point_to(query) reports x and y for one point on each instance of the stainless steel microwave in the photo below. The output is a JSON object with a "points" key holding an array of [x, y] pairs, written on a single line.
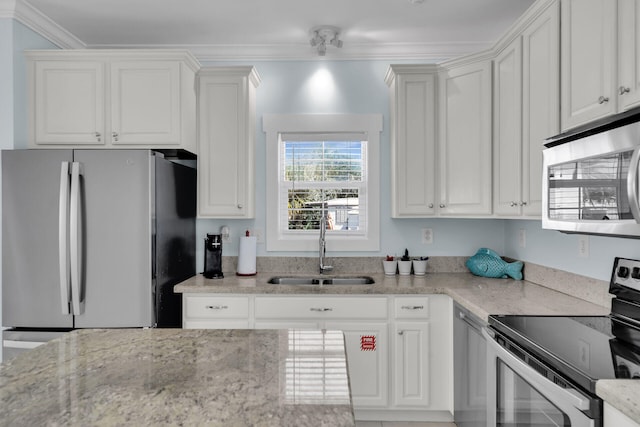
{"points": [[590, 179]]}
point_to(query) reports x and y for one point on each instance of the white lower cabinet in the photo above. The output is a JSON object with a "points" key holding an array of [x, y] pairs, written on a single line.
{"points": [[399, 348]]}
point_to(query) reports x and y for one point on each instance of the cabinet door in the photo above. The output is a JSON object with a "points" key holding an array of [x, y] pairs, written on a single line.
{"points": [[588, 61], [411, 364], [413, 146], [628, 54], [367, 347], [68, 103], [507, 125], [540, 101], [225, 147], [145, 103], [465, 140]]}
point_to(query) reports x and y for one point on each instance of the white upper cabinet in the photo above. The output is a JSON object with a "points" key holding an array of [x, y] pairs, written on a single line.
{"points": [[507, 124], [464, 146], [628, 54], [526, 101], [588, 67], [226, 134], [133, 98], [413, 138]]}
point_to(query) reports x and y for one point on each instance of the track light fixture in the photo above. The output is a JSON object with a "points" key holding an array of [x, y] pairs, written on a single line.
{"points": [[324, 35]]}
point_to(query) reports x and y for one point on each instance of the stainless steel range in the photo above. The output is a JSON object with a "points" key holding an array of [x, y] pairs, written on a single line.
{"points": [[543, 370]]}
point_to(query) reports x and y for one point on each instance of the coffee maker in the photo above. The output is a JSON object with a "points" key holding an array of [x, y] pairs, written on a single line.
{"points": [[213, 256]]}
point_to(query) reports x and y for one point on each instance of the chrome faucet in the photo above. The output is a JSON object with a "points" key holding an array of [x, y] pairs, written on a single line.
{"points": [[323, 244]]}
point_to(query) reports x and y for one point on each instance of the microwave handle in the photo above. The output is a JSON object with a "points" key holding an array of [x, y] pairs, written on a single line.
{"points": [[632, 184]]}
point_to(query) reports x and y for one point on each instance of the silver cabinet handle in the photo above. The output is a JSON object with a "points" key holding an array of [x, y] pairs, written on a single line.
{"points": [[513, 204], [603, 99], [115, 136], [322, 310], [442, 205], [400, 332], [430, 205], [624, 90], [98, 136], [523, 203], [412, 307], [216, 307], [240, 206]]}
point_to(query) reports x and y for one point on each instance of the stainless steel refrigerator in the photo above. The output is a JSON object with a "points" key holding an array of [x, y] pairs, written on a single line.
{"points": [[94, 239]]}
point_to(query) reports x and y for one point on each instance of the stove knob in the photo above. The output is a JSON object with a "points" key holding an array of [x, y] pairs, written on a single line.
{"points": [[623, 272], [635, 273], [622, 371]]}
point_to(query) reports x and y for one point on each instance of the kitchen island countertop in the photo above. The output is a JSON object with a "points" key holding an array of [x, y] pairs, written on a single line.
{"points": [[175, 377]]}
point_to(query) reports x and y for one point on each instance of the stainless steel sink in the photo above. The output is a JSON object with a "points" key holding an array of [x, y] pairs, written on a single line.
{"points": [[302, 280]]}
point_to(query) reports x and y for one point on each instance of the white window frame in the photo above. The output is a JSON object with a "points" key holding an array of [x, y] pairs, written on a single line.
{"points": [[276, 124]]}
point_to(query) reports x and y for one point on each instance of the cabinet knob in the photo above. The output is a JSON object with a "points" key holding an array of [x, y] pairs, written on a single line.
{"points": [[523, 203], [442, 205], [400, 332], [240, 206], [98, 136], [430, 205], [513, 204], [115, 136], [603, 99], [624, 90]]}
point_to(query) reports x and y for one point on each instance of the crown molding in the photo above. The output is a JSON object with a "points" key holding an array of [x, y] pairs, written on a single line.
{"points": [[430, 52], [32, 18]]}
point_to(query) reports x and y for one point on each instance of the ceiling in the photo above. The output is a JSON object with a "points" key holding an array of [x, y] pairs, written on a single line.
{"points": [[279, 29]]}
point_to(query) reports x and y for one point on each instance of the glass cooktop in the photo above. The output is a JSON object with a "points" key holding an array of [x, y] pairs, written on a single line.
{"points": [[582, 348]]}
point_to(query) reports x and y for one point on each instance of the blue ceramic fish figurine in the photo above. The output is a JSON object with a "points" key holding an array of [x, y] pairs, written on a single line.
{"points": [[487, 263]]}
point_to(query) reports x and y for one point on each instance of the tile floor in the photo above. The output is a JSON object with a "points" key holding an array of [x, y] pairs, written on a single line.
{"points": [[401, 424]]}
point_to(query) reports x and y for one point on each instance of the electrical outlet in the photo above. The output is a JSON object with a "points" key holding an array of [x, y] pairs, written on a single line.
{"points": [[522, 238], [259, 235], [583, 246], [427, 236]]}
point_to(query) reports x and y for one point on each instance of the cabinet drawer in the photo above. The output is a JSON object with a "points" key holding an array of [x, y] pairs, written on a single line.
{"points": [[209, 307], [411, 307], [325, 308]]}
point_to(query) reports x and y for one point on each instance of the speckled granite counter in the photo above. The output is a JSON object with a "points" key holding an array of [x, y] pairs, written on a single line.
{"points": [[624, 395], [480, 295], [176, 377]]}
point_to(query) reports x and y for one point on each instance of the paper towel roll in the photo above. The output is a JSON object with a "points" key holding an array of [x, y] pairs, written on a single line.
{"points": [[247, 256]]}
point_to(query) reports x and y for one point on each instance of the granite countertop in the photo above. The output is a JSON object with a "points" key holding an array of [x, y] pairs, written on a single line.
{"points": [[178, 377], [482, 296]]}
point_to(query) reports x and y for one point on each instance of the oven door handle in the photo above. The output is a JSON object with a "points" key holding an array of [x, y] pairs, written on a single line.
{"points": [[551, 390]]}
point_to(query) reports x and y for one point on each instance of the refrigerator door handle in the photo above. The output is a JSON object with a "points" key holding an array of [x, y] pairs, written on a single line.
{"points": [[63, 249], [76, 238]]}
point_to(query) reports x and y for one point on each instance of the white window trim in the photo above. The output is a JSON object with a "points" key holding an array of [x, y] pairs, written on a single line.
{"points": [[275, 124]]}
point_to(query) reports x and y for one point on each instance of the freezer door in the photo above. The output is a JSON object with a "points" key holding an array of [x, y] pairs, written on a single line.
{"points": [[117, 196], [30, 245]]}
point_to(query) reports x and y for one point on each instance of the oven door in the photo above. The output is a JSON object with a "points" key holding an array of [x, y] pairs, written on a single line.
{"points": [[517, 395]]}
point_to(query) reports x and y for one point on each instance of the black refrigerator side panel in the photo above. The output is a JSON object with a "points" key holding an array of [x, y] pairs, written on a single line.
{"points": [[31, 295], [175, 235]]}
